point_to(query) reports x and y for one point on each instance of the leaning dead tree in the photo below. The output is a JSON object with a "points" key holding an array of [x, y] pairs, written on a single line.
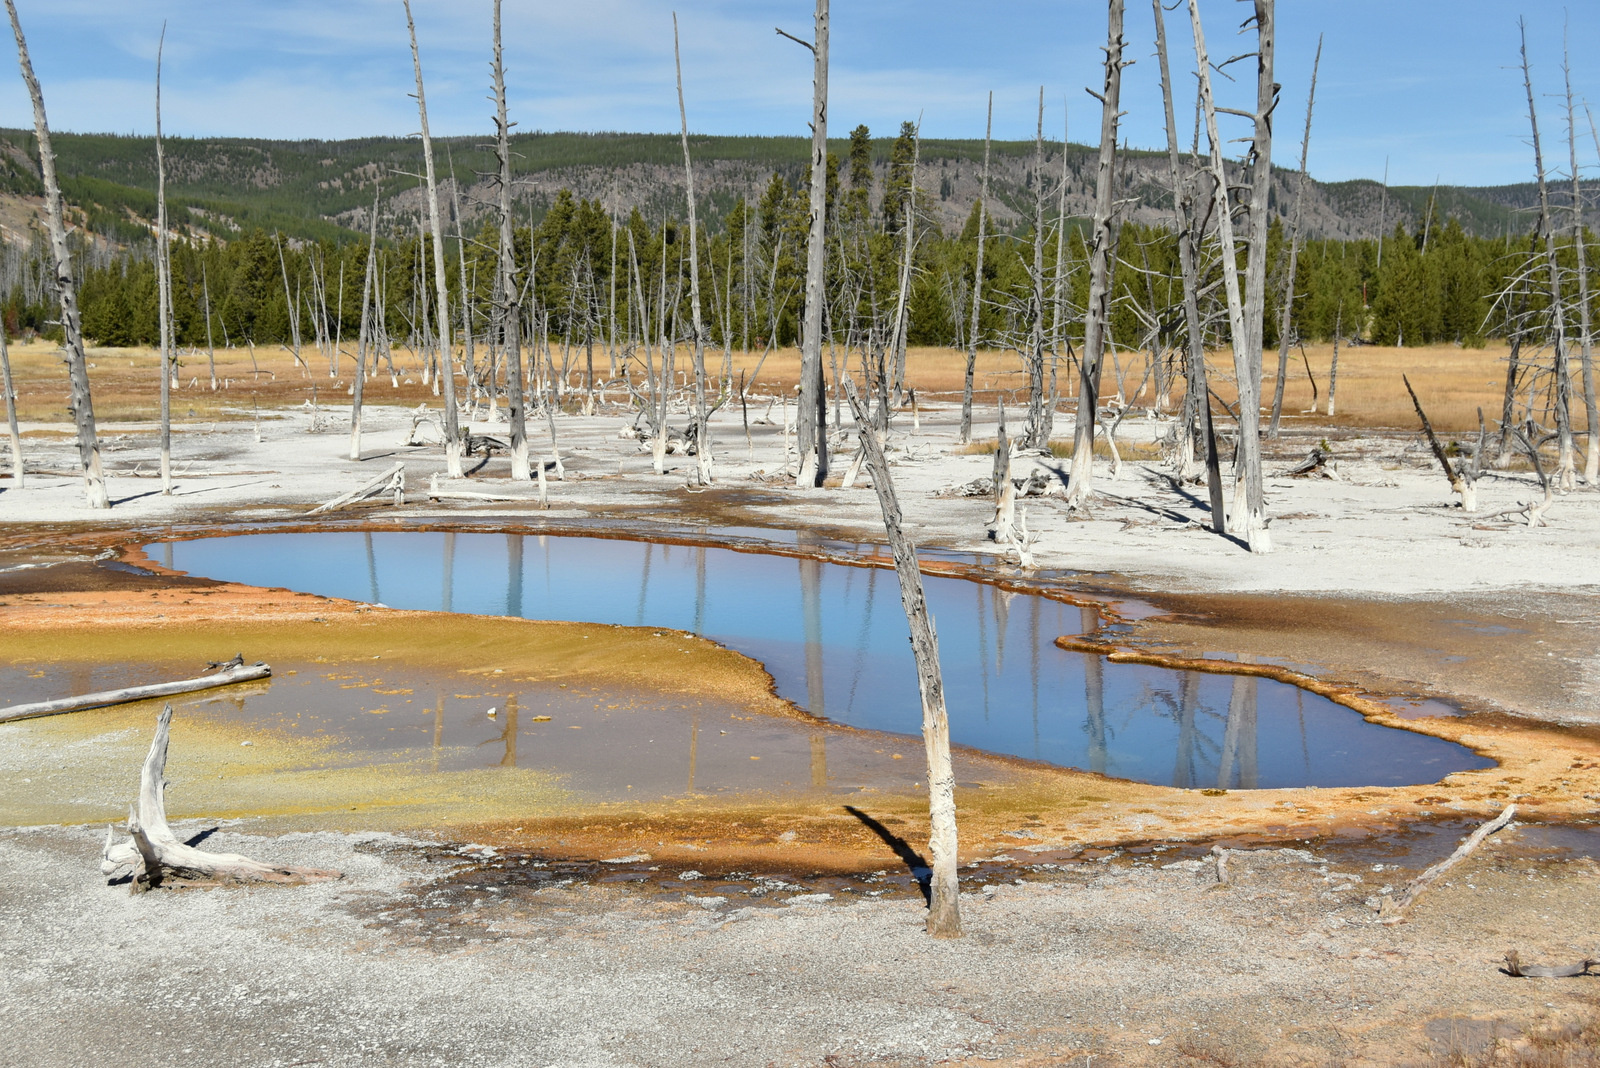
{"points": [[977, 279], [813, 412], [510, 305], [10, 391], [1245, 312], [452, 431], [944, 910], [702, 435], [1460, 478], [154, 852], [1098, 318], [94, 483]]}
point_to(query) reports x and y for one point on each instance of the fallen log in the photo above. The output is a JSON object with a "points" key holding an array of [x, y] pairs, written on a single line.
{"points": [[392, 480], [104, 698], [1518, 970], [1391, 911], [437, 494], [155, 853]]}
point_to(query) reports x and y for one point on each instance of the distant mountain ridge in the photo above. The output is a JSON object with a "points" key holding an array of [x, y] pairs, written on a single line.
{"points": [[323, 189]]}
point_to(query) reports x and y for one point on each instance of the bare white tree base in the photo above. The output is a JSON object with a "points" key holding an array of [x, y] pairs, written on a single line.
{"points": [[155, 854]]}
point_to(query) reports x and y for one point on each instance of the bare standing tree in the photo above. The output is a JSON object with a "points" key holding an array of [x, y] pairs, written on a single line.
{"points": [[1294, 257], [813, 414], [164, 287], [977, 281], [1197, 394], [1098, 316], [1040, 412], [452, 431], [368, 295], [1249, 513], [511, 307], [1591, 459], [702, 438], [94, 483], [944, 910], [11, 410], [1562, 387]]}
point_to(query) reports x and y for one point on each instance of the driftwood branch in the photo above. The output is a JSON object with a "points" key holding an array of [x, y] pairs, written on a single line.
{"points": [[155, 853], [393, 480], [104, 698], [1392, 911], [1518, 970]]}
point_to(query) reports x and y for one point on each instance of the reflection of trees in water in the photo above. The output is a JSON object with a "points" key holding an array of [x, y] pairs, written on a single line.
{"points": [[644, 581], [1094, 696], [447, 594], [1239, 738], [866, 630], [811, 624], [372, 568], [514, 575]]}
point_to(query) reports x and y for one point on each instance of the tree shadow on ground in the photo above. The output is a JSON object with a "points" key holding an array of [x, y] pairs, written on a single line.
{"points": [[920, 870]]}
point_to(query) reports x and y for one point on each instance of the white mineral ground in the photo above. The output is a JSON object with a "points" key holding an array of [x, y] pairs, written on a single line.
{"points": [[1376, 579]]}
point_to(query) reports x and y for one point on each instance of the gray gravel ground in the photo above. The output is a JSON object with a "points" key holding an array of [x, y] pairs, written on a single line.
{"points": [[391, 966]]}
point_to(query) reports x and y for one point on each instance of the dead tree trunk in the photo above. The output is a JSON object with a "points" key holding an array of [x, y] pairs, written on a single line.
{"points": [[702, 437], [155, 853], [1039, 413], [813, 415], [11, 409], [1098, 317], [211, 349], [163, 287], [446, 362], [944, 911], [511, 310], [908, 244], [368, 292], [94, 483], [977, 283], [1248, 516], [1286, 313], [1460, 480], [1562, 389], [1197, 396], [1591, 458]]}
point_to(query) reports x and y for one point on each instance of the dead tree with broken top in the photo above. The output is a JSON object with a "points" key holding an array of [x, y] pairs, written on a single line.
{"points": [[368, 295], [1565, 475], [1245, 311], [509, 296], [164, 288], [10, 391], [1591, 457], [813, 407], [977, 281], [1098, 316], [452, 431], [1197, 394], [1287, 309], [702, 437], [1040, 410], [94, 483], [944, 911]]}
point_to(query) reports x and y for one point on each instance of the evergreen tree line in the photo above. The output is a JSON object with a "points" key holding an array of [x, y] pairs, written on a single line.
{"points": [[587, 276]]}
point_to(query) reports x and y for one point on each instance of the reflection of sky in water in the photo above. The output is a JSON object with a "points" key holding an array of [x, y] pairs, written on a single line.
{"points": [[835, 640]]}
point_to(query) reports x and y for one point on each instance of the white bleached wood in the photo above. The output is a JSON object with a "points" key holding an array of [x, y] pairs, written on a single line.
{"points": [[105, 698]]}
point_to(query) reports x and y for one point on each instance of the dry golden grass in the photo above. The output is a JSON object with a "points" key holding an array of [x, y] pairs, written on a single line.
{"points": [[1452, 382], [1063, 448]]}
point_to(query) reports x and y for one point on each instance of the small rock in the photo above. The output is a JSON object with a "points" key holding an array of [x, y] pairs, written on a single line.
{"points": [[691, 875], [631, 858], [807, 899], [247, 743]]}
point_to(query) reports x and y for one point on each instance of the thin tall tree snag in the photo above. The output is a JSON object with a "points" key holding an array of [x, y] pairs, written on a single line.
{"points": [[511, 306], [1285, 313], [1098, 317], [1249, 514], [94, 483], [813, 408], [368, 293], [1591, 458], [944, 910], [908, 241], [452, 431], [1460, 479], [1040, 413], [1566, 475], [164, 287], [977, 281], [10, 391], [1197, 395], [702, 436], [156, 854]]}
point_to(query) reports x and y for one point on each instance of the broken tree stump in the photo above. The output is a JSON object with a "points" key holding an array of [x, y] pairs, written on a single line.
{"points": [[155, 854], [391, 481]]}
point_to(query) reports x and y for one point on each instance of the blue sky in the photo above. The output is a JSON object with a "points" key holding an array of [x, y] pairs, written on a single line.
{"points": [[1428, 84]]}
